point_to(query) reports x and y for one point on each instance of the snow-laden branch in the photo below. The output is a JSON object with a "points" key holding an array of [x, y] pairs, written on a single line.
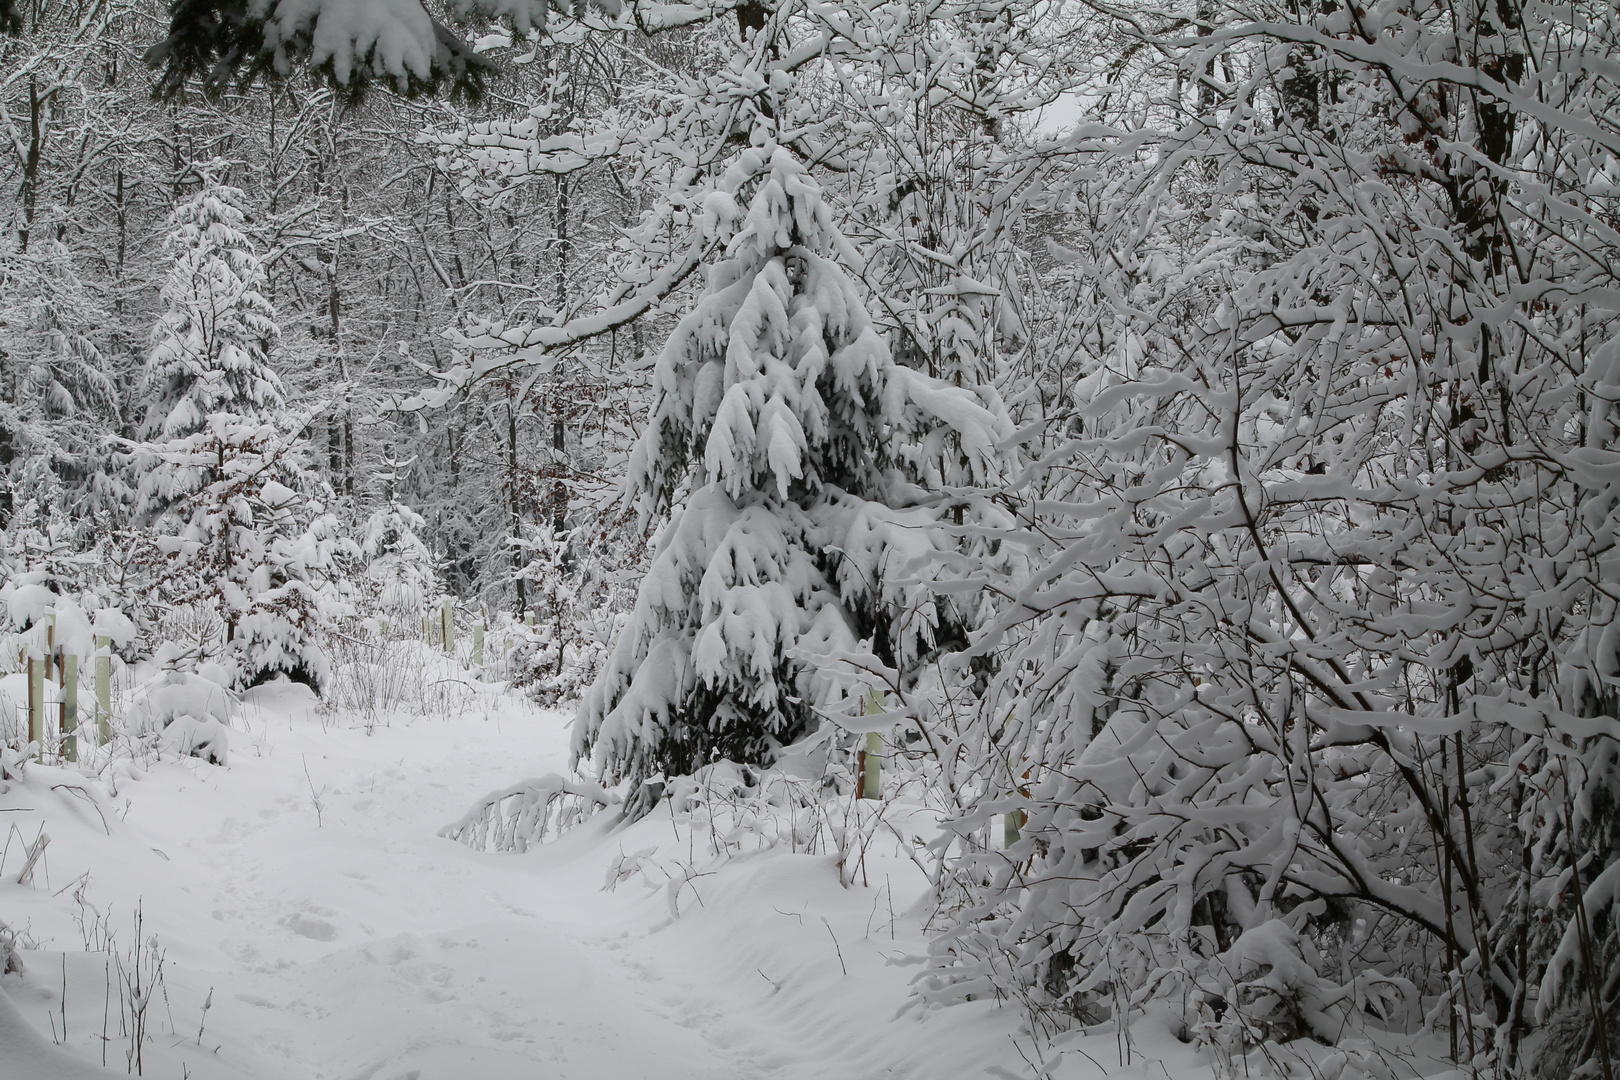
{"points": [[527, 812]]}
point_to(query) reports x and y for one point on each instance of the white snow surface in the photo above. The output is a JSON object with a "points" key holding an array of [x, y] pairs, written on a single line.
{"points": [[354, 943]]}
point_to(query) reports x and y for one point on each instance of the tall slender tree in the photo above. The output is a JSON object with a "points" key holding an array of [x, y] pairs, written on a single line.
{"points": [[222, 476]]}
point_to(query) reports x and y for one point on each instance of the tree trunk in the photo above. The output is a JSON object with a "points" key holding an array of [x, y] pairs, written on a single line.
{"points": [[514, 490], [30, 184], [563, 244]]}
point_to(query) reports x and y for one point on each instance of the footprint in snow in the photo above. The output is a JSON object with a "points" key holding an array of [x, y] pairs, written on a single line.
{"points": [[308, 926]]}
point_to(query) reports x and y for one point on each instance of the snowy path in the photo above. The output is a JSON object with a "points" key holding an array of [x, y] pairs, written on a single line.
{"points": [[358, 943], [352, 942]]}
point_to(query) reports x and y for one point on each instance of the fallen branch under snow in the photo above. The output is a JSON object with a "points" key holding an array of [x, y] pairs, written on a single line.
{"points": [[512, 818]]}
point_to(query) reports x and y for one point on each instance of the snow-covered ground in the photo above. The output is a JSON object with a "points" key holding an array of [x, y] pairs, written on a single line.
{"points": [[303, 890]]}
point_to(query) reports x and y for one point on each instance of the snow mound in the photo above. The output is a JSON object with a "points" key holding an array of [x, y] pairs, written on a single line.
{"points": [[206, 739], [28, 1056], [180, 694]]}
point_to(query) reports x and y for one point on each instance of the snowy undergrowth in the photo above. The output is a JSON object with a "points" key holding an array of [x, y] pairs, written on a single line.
{"points": [[301, 893], [1260, 1010], [377, 680], [278, 887], [728, 812]]}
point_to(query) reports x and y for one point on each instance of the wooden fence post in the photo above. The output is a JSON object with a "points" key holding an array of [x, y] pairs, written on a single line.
{"points": [[448, 618], [70, 706], [36, 702], [50, 642], [872, 767], [1011, 826], [104, 689], [478, 643], [528, 618], [427, 628], [871, 759]]}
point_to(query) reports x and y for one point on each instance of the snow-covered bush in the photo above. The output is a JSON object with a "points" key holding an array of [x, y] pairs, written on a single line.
{"points": [[806, 803], [183, 712], [398, 575], [1305, 673], [174, 694], [187, 736], [238, 538], [557, 671], [1271, 989], [577, 608], [376, 678]]}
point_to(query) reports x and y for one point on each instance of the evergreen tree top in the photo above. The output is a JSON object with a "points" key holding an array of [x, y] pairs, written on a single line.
{"points": [[213, 339], [778, 381]]}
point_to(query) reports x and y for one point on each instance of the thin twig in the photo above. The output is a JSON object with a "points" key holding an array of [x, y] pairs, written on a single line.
{"points": [[834, 936]]}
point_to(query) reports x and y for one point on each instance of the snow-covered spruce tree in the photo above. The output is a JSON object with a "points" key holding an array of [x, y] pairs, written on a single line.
{"points": [[211, 346], [785, 446], [221, 477]]}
